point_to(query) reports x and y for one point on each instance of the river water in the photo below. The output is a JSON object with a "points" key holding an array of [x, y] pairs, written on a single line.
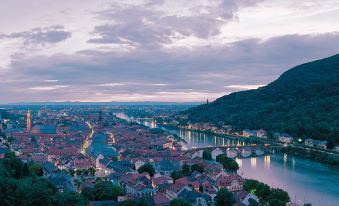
{"points": [[305, 180]]}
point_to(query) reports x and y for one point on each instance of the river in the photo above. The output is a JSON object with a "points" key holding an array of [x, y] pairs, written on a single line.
{"points": [[305, 180]]}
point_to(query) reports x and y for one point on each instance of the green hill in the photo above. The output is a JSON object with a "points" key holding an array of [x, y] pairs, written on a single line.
{"points": [[303, 101]]}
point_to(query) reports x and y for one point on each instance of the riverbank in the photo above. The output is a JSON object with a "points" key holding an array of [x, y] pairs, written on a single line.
{"points": [[318, 154], [330, 159]]}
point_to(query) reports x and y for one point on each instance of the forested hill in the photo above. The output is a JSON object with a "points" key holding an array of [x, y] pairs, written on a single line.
{"points": [[303, 101]]}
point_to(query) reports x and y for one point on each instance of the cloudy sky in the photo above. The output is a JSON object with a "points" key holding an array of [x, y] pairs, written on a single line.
{"points": [[156, 50]]}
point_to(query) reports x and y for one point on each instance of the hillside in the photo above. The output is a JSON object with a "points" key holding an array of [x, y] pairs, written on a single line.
{"points": [[303, 101]]}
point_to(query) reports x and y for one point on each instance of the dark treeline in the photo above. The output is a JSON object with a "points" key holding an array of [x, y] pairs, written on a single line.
{"points": [[23, 184], [303, 102]]}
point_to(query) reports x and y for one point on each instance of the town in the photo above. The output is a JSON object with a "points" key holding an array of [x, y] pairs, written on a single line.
{"points": [[110, 161]]}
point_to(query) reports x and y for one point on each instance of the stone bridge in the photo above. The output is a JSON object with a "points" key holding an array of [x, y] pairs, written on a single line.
{"points": [[234, 150]]}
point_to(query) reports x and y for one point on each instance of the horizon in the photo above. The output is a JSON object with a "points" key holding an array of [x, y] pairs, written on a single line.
{"points": [[51, 103], [156, 51]]}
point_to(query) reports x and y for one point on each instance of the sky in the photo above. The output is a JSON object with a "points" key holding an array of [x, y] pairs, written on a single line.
{"points": [[156, 50]]}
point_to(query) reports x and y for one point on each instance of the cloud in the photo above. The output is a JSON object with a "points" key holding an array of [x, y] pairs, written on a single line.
{"points": [[111, 84], [40, 35], [245, 86], [151, 25], [180, 50], [163, 75], [47, 88]]}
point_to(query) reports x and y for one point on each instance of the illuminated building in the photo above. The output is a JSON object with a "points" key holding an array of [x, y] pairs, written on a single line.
{"points": [[28, 121]]}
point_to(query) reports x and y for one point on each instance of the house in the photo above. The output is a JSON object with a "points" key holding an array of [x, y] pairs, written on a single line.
{"points": [[48, 168], [262, 134], [166, 167], [122, 167], [168, 144], [246, 133], [245, 197], [159, 180], [97, 151], [320, 144], [216, 152], [194, 197], [233, 182], [61, 181], [82, 164], [137, 185], [315, 143], [138, 164], [285, 138], [308, 142], [160, 199]]}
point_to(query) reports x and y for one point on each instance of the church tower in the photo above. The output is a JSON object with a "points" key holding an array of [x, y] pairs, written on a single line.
{"points": [[100, 123], [28, 121]]}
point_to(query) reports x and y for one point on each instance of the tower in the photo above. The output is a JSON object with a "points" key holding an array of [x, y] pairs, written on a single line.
{"points": [[28, 121], [100, 124]]}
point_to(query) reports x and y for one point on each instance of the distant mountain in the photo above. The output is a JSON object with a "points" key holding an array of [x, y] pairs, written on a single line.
{"points": [[303, 101], [145, 103]]}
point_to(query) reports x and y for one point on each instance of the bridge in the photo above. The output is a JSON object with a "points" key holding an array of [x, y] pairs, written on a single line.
{"points": [[233, 151]]}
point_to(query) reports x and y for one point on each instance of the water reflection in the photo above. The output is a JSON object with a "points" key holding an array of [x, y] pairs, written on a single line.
{"points": [[253, 162], [267, 161], [239, 161]]}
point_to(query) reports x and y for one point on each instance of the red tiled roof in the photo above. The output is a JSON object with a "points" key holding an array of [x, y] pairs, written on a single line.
{"points": [[160, 198]]}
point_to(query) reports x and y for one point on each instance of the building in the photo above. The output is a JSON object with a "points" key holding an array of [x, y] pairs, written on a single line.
{"points": [[233, 182], [262, 134], [285, 138], [320, 144], [246, 133], [28, 121], [308, 142], [316, 143], [43, 129]]}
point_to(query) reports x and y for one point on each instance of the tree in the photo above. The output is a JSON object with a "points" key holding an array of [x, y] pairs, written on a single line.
{"points": [[224, 198], [20, 184], [179, 202], [147, 168], [186, 170], [78, 171], [69, 198], [103, 190], [206, 155], [36, 169], [233, 166], [176, 175], [198, 168], [266, 194], [228, 163], [77, 183], [92, 171], [133, 202], [71, 172], [87, 192], [279, 196], [252, 202], [85, 171], [25, 170]]}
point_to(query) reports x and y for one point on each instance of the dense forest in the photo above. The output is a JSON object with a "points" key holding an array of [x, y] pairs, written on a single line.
{"points": [[303, 101]]}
